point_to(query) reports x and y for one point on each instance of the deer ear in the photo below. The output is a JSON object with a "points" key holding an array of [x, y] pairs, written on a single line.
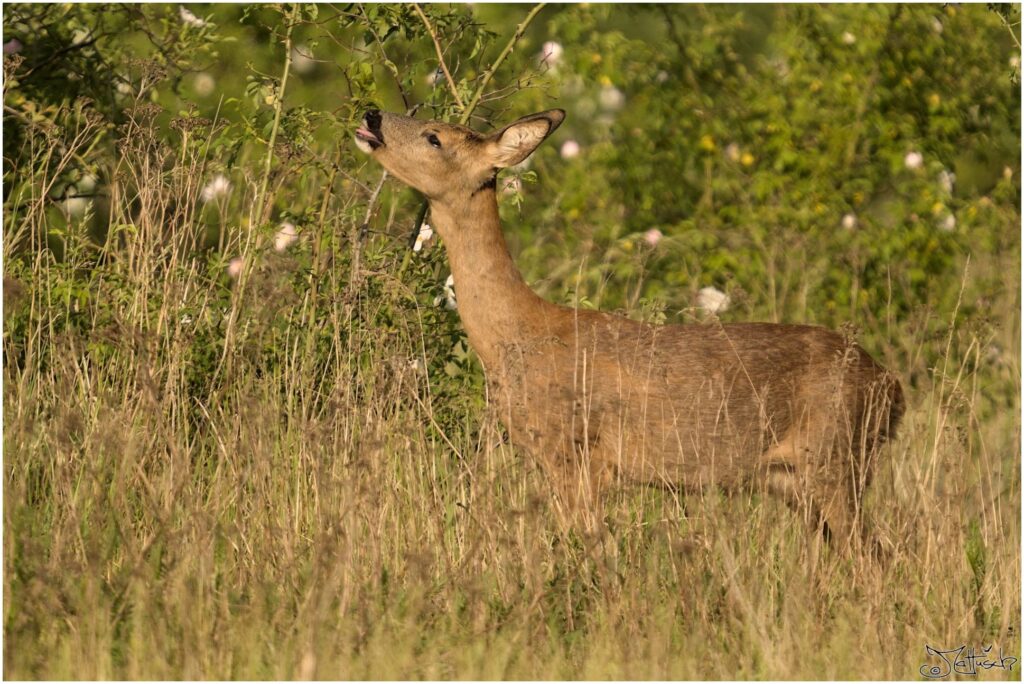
{"points": [[519, 139]]}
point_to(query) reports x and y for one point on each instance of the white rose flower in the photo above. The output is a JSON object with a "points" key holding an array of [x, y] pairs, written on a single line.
{"points": [[235, 267], [448, 296], [286, 237], [302, 59], [712, 300], [611, 98], [204, 84], [219, 186], [946, 181], [423, 237], [191, 19]]}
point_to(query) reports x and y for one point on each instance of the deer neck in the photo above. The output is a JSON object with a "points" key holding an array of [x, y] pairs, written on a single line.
{"points": [[495, 304]]}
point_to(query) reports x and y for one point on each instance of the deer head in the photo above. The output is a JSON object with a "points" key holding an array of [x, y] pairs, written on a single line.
{"points": [[447, 162]]}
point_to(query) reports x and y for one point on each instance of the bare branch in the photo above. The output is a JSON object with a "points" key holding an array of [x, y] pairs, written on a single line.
{"points": [[520, 30], [440, 56]]}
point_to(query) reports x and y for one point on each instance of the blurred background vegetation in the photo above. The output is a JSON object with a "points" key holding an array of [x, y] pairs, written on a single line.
{"points": [[190, 236]]}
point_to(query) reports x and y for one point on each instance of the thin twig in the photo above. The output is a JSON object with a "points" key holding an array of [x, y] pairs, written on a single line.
{"points": [[467, 112], [373, 198], [356, 239], [440, 56], [1005, 20], [278, 106], [489, 74]]}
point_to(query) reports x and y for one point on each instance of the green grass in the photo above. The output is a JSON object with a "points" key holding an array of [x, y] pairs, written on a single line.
{"points": [[214, 479]]}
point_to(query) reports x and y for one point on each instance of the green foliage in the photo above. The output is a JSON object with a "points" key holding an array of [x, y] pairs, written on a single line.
{"points": [[781, 121]]}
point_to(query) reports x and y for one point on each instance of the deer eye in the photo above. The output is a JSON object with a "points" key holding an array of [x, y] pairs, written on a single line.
{"points": [[433, 140]]}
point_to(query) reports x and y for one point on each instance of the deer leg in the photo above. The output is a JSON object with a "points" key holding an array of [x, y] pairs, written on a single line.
{"points": [[782, 470], [579, 482], [791, 470], [842, 520], [837, 513]]}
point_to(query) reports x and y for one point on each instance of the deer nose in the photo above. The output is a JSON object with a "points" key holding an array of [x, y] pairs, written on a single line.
{"points": [[373, 119]]}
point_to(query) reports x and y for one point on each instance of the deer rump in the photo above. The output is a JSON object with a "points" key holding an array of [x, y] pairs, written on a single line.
{"points": [[694, 405]]}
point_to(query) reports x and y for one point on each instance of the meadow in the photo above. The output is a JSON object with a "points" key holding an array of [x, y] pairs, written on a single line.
{"points": [[244, 437]]}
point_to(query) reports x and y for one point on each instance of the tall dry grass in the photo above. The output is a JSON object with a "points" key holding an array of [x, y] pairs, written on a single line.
{"points": [[208, 478]]}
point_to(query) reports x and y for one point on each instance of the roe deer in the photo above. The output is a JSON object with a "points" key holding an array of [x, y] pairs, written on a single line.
{"points": [[594, 396]]}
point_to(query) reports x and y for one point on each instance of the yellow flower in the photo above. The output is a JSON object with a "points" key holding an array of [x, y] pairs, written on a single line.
{"points": [[747, 159], [595, 58], [934, 100], [604, 80], [707, 143], [938, 208]]}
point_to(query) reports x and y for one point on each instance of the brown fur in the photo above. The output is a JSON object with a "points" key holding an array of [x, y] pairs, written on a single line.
{"points": [[596, 397]]}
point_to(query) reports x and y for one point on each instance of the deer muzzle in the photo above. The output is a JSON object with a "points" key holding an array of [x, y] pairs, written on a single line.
{"points": [[369, 136]]}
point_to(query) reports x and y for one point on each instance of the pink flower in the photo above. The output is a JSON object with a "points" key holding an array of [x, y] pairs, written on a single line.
{"points": [[653, 236], [235, 267], [551, 53], [570, 149]]}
